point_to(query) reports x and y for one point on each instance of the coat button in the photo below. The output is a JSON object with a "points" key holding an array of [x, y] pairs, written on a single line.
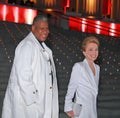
{"points": [[48, 60], [50, 87], [33, 92]]}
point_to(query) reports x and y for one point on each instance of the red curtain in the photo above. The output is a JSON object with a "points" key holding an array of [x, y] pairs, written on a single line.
{"points": [[65, 3], [106, 7]]}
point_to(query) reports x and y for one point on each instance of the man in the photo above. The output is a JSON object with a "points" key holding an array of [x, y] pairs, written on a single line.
{"points": [[32, 88]]}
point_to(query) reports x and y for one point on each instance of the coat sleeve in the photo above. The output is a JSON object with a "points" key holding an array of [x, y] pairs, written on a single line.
{"points": [[23, 66], [72, 86], [98, 72]]}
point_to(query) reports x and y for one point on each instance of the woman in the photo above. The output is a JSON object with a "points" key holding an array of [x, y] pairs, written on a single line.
{"points": [[84, 82]]}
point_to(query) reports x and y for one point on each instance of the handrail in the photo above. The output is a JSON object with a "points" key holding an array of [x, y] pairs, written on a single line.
{"points": [[91, 25]]}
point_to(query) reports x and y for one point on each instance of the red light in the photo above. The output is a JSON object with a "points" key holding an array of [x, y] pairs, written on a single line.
{"points": [[17, 14]]}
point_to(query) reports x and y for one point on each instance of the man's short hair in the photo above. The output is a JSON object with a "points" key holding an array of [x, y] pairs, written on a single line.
{"points": [[38, 18]]}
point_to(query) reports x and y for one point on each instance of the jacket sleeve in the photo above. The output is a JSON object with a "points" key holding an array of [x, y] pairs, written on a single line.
{"points": [[23, 66], [72, 86]]}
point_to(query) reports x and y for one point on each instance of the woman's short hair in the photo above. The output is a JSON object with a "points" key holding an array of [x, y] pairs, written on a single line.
{"points": [[90, 39]]}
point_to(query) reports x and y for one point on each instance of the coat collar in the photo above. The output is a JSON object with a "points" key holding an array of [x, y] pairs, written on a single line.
{"points": [[88, 67], [35, 39], [90, 74], [37, 42]]}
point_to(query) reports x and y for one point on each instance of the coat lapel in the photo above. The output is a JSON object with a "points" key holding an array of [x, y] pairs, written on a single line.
{"points": [[90, 74], [49, 52]]}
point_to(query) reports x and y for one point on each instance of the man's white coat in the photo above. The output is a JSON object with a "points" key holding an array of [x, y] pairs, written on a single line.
{"points": [[30, 92]]}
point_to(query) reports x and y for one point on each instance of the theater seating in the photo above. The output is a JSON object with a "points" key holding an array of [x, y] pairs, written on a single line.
{"points": [[66, 46]]}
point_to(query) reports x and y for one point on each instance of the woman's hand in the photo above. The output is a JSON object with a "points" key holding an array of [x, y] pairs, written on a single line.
{"points": [[70, 113]]}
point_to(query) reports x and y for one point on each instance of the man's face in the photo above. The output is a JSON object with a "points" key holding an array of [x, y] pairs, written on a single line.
{"points": [[41, 30]]}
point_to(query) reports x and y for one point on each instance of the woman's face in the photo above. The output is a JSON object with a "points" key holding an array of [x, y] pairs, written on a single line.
{"points": [[91, 52]]}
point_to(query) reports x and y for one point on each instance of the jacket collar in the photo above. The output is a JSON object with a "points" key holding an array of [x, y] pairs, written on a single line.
{"points": [[90, 74]]}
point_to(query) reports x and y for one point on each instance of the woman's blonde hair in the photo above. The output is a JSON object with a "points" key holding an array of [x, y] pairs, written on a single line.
{"points": [[90, 39]]}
